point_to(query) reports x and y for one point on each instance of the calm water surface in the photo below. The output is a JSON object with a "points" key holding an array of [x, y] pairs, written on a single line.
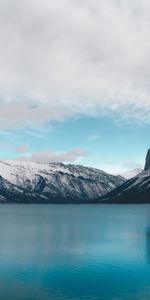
{"points": [[74, 252]]}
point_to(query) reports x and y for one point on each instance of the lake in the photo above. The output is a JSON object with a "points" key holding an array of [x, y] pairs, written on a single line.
{"points": [[75, 252]]}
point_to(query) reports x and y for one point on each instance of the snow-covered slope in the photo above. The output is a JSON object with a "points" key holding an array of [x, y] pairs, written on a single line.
{"points": [[131, 173], [135, 190], [12, 193], [57, 182]]}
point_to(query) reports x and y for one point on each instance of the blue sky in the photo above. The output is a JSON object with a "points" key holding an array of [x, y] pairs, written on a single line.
{"points": [[74, 82]]}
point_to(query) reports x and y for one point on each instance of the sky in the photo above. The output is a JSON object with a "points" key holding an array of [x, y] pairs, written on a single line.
{"points": [[74, 82]]}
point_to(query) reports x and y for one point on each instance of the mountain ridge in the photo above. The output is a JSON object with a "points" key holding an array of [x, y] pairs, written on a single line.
{"points": [[56, 182], [133, 191]]}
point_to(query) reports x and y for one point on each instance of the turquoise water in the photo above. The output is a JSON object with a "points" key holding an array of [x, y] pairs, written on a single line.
{"points": [[74, 252]]}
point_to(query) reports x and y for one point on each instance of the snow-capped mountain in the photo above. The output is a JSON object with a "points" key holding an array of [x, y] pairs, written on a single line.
{"points": [[55, 182], [131, 173], [12, 193], [135, 190]]}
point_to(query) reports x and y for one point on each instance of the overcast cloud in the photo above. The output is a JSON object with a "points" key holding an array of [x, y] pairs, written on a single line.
{"points": [[64, 58]]}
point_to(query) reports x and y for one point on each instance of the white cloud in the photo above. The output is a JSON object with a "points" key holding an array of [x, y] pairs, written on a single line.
{"points": [[71, 156], [69, 57], [118, 167], [23, 149]]}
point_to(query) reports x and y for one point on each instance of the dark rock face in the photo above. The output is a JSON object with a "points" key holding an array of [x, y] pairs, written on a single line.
{"points": [[11, 193], [147, 162], [134, 191]]}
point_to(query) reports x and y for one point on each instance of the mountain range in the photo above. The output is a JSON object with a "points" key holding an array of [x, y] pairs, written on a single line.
{"points": [[28, 182]]}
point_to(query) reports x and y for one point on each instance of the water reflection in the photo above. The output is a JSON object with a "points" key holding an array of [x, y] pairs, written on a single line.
{"points": [[74, 252], [148, 244]]}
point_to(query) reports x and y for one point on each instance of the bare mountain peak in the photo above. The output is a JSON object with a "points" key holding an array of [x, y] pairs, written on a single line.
{"points": [[147, 162]]}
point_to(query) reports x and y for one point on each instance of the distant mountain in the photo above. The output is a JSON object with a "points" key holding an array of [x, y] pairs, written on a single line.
{"points": [[131, 173], [29, 182], [135, 190]]}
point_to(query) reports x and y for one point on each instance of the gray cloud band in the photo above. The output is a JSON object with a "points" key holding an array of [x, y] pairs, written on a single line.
{"points": [[67, 57]]}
